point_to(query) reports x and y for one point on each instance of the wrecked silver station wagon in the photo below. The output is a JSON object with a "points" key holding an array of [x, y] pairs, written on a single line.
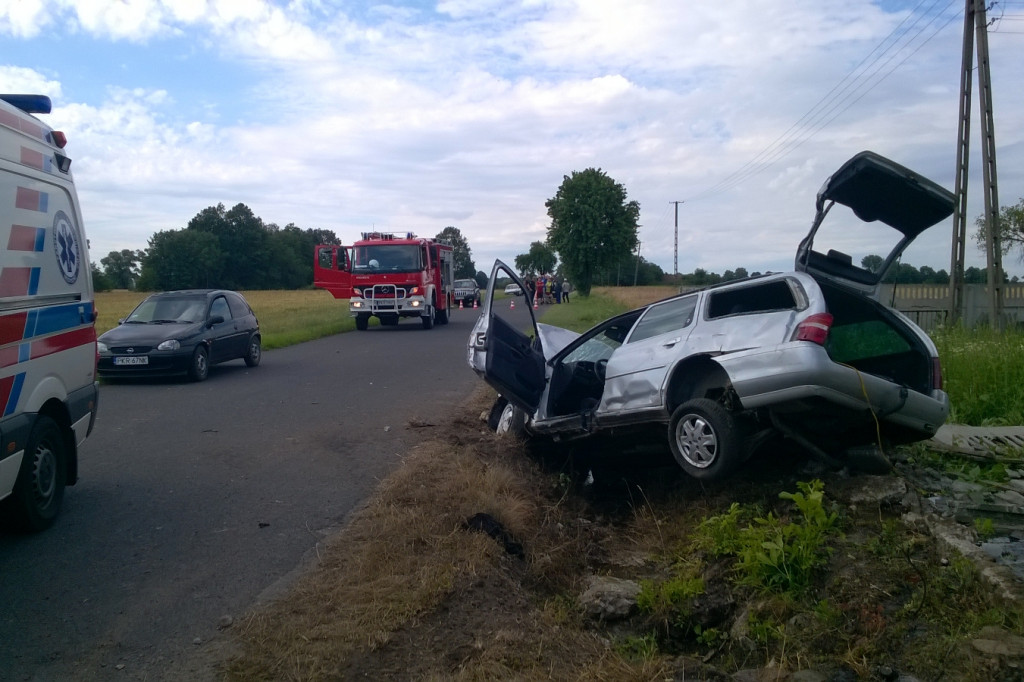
{"points": [[810, 355]]}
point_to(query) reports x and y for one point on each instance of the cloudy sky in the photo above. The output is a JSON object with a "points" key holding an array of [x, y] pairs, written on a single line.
{"points": [[415, 115]]}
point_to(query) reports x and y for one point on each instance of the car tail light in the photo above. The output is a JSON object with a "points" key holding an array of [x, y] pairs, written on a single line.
{"points": [[936, 374], [815, 328]]}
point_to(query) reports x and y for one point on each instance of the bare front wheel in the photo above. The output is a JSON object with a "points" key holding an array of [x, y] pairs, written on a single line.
{"points": [[705, 439]]}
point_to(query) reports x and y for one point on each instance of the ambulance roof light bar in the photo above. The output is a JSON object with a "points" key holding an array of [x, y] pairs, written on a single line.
{"points": [[30, 104]]}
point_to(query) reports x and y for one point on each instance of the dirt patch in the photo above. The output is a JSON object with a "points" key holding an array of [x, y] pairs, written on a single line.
{"points": [[411, 589]]}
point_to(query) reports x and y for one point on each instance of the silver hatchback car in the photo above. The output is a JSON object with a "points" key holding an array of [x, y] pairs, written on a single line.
{"points": [[811, 355]]}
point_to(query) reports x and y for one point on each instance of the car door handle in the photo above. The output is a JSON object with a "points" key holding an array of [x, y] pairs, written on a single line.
{"points": [[672, 342]]}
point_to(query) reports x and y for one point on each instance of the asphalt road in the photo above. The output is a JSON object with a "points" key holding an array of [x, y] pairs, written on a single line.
{"points": [[197, 500]]}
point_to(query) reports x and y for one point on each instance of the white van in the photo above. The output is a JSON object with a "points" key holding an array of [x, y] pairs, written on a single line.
{"points": [[48, 393]]}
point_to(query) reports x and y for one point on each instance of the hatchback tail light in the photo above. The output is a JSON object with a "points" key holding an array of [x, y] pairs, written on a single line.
{"points": [[936, 374], [815, 328]]}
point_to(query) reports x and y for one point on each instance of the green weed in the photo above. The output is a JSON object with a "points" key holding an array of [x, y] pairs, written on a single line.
{"points": [[773, 553]]}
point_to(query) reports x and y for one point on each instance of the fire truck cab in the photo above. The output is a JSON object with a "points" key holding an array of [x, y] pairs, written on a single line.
{"points": [[389, 277]]}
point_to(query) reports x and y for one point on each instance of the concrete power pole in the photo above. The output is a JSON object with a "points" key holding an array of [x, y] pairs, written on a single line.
{"points": [[993, 235], [675, 259], [956, 268], [975, 18]]}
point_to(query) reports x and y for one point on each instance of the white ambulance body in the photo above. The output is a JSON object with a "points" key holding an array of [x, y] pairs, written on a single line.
{"points": [[48, 393]]}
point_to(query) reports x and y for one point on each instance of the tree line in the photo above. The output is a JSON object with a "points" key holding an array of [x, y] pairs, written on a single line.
{"points": [[232, 249]]}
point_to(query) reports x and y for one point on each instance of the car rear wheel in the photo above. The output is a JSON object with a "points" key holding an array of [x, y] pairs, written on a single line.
{"points": [[200, 367], [705, 439], [39, 488], [254, 352]]}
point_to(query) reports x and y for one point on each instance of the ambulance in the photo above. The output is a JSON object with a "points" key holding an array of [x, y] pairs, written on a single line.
{"points": [[48, 390]]}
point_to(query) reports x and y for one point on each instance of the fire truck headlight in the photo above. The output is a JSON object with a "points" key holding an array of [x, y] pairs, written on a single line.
{"points": [[415, 304], [415, 291], [357, 304]]}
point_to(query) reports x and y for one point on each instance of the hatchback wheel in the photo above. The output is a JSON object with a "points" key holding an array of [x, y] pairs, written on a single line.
{"points": [[705, 439], [254, 352], [200, 367]]}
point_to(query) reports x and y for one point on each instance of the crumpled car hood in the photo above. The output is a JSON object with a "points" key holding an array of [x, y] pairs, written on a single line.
{"points": [[554, 339]]}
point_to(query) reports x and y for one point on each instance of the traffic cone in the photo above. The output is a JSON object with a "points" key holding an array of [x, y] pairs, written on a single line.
{"points": [[474, 304], [512, 304], [460, 304], [535, 306]]}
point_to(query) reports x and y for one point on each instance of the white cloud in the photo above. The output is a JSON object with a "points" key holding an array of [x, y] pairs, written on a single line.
{"points": [[471, 113], [23, 18]]}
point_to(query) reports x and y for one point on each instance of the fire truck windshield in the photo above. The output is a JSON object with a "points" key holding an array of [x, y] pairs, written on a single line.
{"points": [[387, 258]]}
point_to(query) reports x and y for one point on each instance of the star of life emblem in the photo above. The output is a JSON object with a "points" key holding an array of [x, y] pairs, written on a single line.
{"points": [[65, 246]]}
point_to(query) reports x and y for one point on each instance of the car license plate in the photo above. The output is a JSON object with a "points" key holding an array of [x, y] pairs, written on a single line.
{"points": [[131, 360]]}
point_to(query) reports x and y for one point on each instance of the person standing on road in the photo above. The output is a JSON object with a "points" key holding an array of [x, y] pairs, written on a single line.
{"points": [[566, 289], [558, 291]]}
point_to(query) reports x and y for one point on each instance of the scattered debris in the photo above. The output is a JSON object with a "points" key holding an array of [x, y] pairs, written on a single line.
{"points": [[485, 523]]}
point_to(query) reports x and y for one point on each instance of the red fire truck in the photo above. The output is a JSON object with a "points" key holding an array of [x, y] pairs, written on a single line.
{"points": [[389, 277]]}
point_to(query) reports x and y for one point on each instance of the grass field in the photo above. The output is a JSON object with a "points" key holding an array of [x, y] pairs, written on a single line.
{"points": [[286, 317]]}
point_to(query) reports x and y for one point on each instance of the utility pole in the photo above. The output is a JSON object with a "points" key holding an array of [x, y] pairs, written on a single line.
{"points": [[956, 268], [993, 235], [636, 270], [675, 259], [975, 18]]}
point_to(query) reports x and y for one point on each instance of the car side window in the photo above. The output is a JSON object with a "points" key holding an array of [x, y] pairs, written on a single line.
{"points": [[238, 306], [325, 258], [665, 317], [759, 298], [220, 307]]}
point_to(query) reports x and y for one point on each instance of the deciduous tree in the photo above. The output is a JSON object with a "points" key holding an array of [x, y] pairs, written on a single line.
{"points": [[593, 226], [464, 266], [539, 260]]}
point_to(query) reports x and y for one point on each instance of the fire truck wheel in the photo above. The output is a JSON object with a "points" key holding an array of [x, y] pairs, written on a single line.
{"points": [[39, 489], [362, 322], [200, 367], [442, 315], [428, 319]]}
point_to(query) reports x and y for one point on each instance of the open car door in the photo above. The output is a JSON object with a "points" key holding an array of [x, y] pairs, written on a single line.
{"points": [[875, 209], [510, 361]]}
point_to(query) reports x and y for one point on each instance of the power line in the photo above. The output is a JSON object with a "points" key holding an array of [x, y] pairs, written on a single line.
{"points": [[850, 89]]}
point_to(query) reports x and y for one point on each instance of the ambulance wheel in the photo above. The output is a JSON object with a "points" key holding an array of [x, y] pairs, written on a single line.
{"points": [[362, 322], [39, 488], [200, 367], [428, 319], [254, 353]]}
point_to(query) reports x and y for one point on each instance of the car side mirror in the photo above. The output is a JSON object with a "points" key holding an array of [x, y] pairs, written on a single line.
{"points": [[215, 319]]}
